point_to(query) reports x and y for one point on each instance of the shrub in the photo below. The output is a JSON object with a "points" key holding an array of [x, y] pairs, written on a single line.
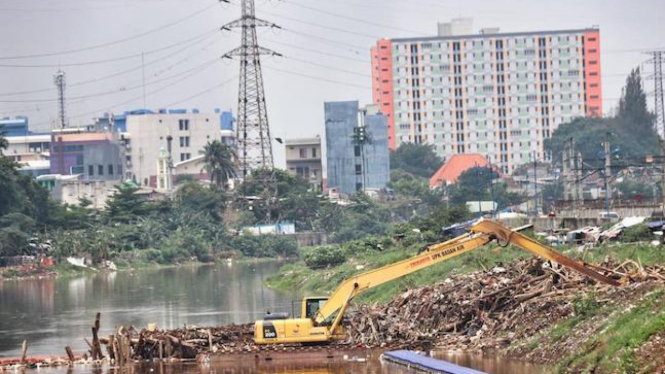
{"points": [[586, 306], [265, 245], [637, 233], [323, 256]]}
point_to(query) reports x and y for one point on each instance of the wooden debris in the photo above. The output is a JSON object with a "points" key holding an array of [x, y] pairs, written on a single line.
{"points": [[24, 350]]}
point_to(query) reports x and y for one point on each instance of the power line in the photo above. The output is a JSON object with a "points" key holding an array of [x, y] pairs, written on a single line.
{"points": [[136, 98], [363, 21], [118, 41], [318, 52], [201, 92], [122, 89], [318, 78], [108, 60], [329, 67], [373, 37], [122, 72]]}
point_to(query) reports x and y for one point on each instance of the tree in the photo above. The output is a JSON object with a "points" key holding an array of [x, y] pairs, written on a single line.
{"points": [[193, 197], [273, 195], [631, 133], [408, 185], [633, 112], [479, 184], [3, 141], [125, 206], [418, 159], [219, 161]]}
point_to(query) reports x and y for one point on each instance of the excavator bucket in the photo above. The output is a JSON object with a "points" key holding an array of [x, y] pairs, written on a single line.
{"points": [[505, 234]]}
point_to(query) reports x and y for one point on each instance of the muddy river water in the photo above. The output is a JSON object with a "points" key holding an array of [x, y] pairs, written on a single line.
{"points": [[53, 313]]}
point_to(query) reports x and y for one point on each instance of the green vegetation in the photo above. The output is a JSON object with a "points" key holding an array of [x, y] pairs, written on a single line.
{"points": [[323, 256], [631, 131], [612, 346], [420, 160]]}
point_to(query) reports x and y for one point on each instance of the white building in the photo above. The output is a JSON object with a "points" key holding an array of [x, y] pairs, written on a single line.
{"points": [[31, 152], [182, 134], [497, 94]]}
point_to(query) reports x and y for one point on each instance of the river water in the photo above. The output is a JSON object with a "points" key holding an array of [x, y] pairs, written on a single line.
{"points": [[53, 313]]}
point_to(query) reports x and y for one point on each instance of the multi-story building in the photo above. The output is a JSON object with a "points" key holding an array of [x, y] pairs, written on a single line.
{"points": [[357, 147], [303, 158], [497, 94], [98, 155], [14, 127], [31, 151], [183, 134]]}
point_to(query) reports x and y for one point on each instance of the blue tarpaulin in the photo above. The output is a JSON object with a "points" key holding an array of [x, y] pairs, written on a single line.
{"points": [[414, 359]]}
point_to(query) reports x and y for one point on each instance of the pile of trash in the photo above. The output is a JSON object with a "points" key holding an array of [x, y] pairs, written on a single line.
{"points": [[485, 310]]}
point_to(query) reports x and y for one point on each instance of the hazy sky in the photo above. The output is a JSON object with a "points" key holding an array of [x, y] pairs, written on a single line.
{"points": [[112, 47]]}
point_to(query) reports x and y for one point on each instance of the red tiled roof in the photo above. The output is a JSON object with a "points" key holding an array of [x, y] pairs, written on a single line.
{"points": [[456, 165]]}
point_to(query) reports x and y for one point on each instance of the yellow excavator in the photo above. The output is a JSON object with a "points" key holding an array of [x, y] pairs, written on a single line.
{"points": [[321, 317]]}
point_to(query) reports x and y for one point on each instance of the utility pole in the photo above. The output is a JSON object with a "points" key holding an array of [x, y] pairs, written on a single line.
{"points": [[659, 104], [535, 185], [491, 182], [608, 172], [253, 141], [661, 143], [659, 108], [60, 83]]}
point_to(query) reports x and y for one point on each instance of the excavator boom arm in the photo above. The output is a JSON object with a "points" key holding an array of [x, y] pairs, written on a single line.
{"points": [[435, 254], [507, 235], [481, 233]]}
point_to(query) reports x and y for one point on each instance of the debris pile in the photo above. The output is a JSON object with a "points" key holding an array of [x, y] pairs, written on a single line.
{"points": [[487, 309], [183, 343]]}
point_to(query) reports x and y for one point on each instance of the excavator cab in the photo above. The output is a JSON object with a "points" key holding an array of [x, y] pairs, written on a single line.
{"points": [[311, 305]]}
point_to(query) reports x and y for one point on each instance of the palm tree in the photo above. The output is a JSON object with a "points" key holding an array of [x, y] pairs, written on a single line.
{"points": [[219, 160]]}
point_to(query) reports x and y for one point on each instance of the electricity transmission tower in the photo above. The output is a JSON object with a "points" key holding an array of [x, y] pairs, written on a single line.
{"points": [[59, 81], [659, 107], [253, 142]]}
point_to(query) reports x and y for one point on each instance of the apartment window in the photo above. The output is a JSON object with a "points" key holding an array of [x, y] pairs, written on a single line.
{"points": [[184, 141], [303, 152], [183, 124], [593, 62], [100, 170], [313, 152], [91, 170], [358, 169], [110, 169], [356, 149], [185, 156]]}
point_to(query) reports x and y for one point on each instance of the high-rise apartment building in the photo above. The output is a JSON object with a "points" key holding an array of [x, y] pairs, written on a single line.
{"points": [[356, 147], [497, 94]]}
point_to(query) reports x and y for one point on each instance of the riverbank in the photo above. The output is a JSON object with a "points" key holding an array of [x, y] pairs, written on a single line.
{"points": [[517, 309], [65, 269]]}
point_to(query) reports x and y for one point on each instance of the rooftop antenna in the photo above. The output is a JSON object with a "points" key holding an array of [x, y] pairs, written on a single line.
{"points": [[59, 81]]}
